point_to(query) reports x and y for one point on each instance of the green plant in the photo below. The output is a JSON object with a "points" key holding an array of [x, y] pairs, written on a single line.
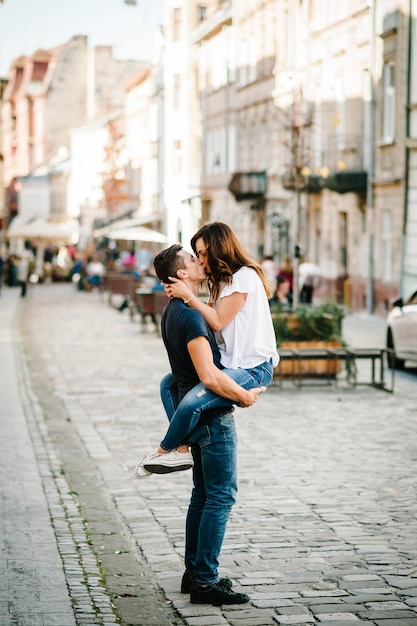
{"points": [[308, 323]]}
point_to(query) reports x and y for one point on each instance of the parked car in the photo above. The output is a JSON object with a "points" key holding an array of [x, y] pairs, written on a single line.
{"points": [[402, 331]]}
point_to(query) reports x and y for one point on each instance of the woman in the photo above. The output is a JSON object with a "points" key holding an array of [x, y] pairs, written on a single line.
{"points": [[281, 298], [238, 312]]}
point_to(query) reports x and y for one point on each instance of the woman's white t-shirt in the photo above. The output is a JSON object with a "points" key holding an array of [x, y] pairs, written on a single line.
{"points": [[249, 339]]}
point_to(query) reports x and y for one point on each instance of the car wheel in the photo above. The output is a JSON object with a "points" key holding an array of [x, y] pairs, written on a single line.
{"points": [[393, 362]]}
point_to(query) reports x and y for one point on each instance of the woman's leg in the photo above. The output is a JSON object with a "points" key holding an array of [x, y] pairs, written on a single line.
{"points": [[168, 389], [201, 399]]}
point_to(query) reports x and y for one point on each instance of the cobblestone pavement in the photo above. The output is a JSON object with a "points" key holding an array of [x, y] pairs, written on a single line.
{"points": [[325, 528]]}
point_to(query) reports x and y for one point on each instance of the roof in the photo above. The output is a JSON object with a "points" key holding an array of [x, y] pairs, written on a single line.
{"points": [[137, 79]]}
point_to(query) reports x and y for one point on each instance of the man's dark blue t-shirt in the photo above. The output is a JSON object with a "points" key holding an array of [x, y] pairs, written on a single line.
{"points": [[179, 325]]}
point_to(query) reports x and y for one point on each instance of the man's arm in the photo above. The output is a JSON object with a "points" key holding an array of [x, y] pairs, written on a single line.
{"points": [[218, 382]]}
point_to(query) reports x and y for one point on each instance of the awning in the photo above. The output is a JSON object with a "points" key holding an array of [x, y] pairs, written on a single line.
{"points": [[131, 229], [37, 228], [121, 223], [137, 233]]}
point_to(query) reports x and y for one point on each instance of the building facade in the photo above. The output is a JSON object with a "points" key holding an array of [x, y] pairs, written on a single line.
{"points": [[295, 122], [55, 101], [307, 137], [354, 83]]}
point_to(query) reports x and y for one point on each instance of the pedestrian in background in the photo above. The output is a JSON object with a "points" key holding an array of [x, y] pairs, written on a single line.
{"points": [[23, 272], [271, 270], [281, 297], [95, 272], [286, 269], [308, 280]]}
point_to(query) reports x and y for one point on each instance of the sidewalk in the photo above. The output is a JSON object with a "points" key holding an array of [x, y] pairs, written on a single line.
{"points": [[33, 588], [325, 524]]}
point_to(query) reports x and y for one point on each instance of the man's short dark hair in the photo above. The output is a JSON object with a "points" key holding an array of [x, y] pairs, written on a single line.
{"points": [[168, 262]]}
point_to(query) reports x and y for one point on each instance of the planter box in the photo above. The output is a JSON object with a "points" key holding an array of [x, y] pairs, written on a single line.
{"points": [[310, 366]]}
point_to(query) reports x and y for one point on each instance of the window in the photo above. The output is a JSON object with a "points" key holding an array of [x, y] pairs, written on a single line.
{"points": [[413, 70], [366, 134], [201, 13], [231, 148], [252, 59], [135, 176], [413, 56], [318, 129], [340, 114], [263, 146], [388, 115], [177, 157], [176, 24]]}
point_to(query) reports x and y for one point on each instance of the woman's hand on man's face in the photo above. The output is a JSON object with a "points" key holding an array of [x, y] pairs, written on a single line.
{"points": [[177, 289]]}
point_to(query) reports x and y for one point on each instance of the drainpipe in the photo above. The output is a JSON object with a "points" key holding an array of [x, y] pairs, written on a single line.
{"points": [[412, 11], [370, 196]]}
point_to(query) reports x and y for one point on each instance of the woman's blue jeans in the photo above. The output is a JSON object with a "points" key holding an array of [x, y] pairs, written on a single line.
{"points": [[214, 450], [183, 417]]}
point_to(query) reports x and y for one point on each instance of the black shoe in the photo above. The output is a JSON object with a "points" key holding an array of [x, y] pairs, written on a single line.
{"points": [[216, 595], [123, 306], [188, 579]]}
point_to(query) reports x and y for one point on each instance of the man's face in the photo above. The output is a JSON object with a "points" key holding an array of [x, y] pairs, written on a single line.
{"points": [[193, 267]]}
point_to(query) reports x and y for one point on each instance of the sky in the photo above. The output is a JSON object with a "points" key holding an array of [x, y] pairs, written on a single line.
{"points": [[27, 25]]}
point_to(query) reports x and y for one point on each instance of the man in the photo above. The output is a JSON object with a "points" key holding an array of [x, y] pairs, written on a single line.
{"points": [[194, 357], [308, 279]]}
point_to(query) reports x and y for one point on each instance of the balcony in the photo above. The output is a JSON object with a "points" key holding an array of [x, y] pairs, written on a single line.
{"points": [[341, 168], [248, 185], [343, 181], [346, 181]]}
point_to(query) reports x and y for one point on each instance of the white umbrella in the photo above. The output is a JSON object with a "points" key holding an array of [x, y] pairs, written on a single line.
{"points": [[138, 233], [307, 269], [37, 228]]}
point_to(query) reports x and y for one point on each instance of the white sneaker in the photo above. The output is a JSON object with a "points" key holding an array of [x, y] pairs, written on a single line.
{"points": [[173, 461], [140, 471]]}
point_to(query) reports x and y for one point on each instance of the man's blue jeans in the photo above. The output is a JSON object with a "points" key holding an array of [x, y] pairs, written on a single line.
{"points": [[184, 417], [214, 450]]}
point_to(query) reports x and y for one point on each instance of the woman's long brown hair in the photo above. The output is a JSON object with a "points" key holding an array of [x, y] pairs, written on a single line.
{"points": [[225, 256]]}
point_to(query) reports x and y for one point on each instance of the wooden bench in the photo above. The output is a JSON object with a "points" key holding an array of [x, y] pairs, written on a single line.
{"points": [[331, 356], [150, 304], [119, 284]]}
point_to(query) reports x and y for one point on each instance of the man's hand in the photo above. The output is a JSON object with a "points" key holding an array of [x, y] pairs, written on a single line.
{"points": [[216, 380], [252, 397]]}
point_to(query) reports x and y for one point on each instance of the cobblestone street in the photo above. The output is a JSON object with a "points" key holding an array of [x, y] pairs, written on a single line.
{"points": [[325, 528]]}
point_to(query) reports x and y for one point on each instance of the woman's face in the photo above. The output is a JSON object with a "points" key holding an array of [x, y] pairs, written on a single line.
{"points": [[201, 254]]}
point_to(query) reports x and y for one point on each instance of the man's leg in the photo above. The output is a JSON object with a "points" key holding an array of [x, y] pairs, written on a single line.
{"points": [[195, 511], [214, 449]]}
